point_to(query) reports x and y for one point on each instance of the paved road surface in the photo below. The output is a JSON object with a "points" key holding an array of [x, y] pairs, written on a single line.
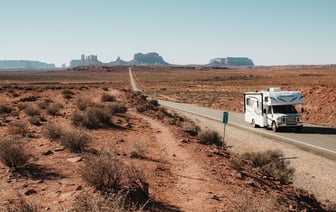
{"points": [[312, 137]]}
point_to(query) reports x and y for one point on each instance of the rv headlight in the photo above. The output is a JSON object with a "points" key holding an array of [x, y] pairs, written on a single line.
{"points": [[279, 120]]}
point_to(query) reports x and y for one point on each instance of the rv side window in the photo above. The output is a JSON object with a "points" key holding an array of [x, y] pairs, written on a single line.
{"points": [[266, 98]]}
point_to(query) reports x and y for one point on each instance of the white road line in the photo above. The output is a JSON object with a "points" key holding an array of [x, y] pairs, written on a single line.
{"points": [[251, 129]]}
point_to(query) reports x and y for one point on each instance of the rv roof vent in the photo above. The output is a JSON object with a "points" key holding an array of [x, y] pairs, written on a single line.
{"points": [[274, 89]]}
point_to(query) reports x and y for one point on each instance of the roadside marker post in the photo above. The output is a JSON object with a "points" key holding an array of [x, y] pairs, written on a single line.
{"points": [[225, 121]]}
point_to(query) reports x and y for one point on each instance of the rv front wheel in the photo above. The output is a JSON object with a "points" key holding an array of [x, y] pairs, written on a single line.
{"points": [[253, 124], [274, 127]]}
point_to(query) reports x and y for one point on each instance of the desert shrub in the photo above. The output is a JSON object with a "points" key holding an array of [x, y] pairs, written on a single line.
{"points": [[5, 108], [22, 106], [105, 88], [115, 107], [67, 93], [210, 137], [138, 150], [107, 98], [92, 118], [35, 120], [44, 105], [53, 109], [272, 163], [103, 171], [75, 140], [83, 102], [136, 186], [13, 152], [18, 128], [191, 128], [28, 99], [21, 205], [92, 202], [53, 131], [32, 110]]}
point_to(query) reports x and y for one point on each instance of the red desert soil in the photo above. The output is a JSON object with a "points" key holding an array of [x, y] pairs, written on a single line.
{"points": [[183, 175]]}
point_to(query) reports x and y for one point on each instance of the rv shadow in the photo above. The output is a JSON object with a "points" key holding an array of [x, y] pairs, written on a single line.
{"points": [[318, 130]]}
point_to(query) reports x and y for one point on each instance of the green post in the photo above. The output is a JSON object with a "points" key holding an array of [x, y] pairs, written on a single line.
{"points": [[225, 121]]}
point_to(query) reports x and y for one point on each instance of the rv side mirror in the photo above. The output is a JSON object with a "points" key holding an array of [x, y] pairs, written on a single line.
{"points": [[264, 111], [302, 110]]}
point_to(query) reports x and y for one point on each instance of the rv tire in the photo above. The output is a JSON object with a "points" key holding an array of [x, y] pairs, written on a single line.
{"points": [[253, 124], [274, 127]]}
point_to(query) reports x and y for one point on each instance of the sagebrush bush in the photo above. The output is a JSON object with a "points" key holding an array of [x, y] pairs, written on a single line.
{"points": [[210, 137], [35, 120], [67, 93], [75, 140], [5, 108], [28, 99], [92, 118], [272, 163], [116, 107], [54, 109], [103, 171], [32, 110], [21, 205], [13, 153], [18, 128], [43, 105], [83, 102], [107, 97], [54, 131]]}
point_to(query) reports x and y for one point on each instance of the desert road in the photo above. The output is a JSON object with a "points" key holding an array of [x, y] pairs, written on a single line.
{"points": [[312, 137]]}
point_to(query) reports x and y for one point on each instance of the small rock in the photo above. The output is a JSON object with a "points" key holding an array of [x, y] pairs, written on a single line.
{"points": [[79, 188], [75, 159], [215, 197], [174, 155], [59, 149], [30, 192]]}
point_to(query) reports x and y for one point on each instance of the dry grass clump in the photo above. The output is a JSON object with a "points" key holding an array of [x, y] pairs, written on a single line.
{"points": [[44, 104], [35, 121], [54, 131], [32, 110], [83, 102], [115, 108], [75, 140], [67, 93], [210, 138], [21, 205], [13, 153], [92, 202], [92, 118], [109, 175], [18, 128], [54, 109], [272, 163], [5, 108], [108, 98]]}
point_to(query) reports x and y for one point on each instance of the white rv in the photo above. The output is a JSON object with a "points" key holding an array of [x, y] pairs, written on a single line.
{"points": [[273, 108]]}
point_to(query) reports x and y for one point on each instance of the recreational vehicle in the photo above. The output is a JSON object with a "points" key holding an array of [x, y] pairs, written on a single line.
{"points": [[273, 108]]}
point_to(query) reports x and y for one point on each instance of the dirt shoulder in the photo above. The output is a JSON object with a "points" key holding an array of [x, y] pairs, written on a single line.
{"points": [[314, 173]]}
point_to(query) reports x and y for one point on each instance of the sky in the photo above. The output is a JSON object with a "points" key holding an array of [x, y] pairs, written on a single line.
{"points": [[270, 32]]}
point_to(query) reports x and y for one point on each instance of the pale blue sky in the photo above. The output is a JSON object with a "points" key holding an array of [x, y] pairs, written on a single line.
{"points": [[270, 32]]}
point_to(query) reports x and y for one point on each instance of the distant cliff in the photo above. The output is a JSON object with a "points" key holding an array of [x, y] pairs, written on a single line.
{"points": [[24, 64], [231, 61], [151, 58]]}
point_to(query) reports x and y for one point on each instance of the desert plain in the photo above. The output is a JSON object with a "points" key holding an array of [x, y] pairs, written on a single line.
{"points": [[83, 127]]}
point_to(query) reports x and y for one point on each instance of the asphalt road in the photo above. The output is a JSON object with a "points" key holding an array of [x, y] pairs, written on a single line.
{"points": [[313, 138]]}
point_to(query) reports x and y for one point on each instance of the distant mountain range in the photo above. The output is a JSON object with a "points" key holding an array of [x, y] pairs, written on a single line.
{"points": [[151, 58], [24, 64]]}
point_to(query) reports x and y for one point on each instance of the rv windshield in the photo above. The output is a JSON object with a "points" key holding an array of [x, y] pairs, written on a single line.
{"points": [[284, 109]]}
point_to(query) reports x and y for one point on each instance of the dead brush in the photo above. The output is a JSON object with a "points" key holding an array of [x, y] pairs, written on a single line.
{"points": [[54, 109], [83, 102], [18, 128], [32, 110], [116, 107], [67, 93], [92, 118], [107, 98], [53, 131], [272, 163], [210, 138], [13, 153], [75, 140], [22, 205], [5, 108]]}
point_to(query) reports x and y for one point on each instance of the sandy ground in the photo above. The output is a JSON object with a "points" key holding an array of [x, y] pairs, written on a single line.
{"points": [[314, 173]]}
